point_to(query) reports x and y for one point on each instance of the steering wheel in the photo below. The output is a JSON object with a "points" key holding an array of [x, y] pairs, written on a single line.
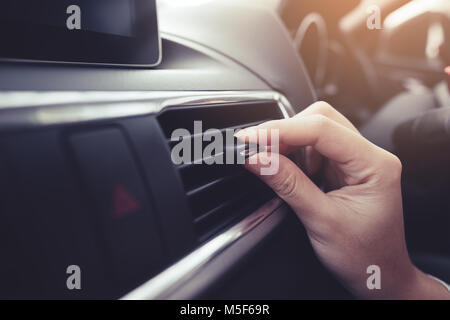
{"points": [[311, 41]]}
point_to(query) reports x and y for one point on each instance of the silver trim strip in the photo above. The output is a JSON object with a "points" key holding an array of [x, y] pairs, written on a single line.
{"points": [[167, 282], [24, 109]]}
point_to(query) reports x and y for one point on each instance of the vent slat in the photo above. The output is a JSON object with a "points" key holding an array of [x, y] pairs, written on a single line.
{"points": [[224, 205], [219, 194], [233, 210], [213, 183], [200, 161], [194, 176], [223, 131], [217, 116]]}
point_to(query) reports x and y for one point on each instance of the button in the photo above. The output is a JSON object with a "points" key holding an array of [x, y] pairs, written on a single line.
{"points": [[124, 202], [120, 204]]}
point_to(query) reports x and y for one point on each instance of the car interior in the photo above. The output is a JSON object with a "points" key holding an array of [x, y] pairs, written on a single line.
{"points": [[86, 123]]}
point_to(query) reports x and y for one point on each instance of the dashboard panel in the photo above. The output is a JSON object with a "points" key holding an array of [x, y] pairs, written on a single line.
{"points": [[89, 180]]}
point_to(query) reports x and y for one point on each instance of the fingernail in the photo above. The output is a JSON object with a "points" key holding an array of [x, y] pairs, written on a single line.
{"points": [[250, 150]]}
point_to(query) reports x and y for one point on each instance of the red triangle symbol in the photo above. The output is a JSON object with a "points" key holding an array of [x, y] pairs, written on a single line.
{"points": [[124, 202]]}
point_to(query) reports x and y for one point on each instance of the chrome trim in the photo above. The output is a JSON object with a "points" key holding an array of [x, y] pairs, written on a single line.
{"points": [[170, 280], [23, 109]]}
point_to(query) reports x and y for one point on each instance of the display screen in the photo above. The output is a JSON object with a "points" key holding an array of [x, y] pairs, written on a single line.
{"points": [[123, 32]]}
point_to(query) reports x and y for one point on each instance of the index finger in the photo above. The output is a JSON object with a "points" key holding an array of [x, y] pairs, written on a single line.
{"points": [[328, 137]]}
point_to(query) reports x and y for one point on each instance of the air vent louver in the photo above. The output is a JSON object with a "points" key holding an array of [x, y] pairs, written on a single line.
{"points": [[219, 194]]}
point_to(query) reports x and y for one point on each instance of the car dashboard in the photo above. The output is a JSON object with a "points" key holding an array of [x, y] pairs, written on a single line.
{"points": [[88, 179]]}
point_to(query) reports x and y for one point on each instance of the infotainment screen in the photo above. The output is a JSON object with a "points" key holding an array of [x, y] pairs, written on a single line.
{"points": [[111, 32]]}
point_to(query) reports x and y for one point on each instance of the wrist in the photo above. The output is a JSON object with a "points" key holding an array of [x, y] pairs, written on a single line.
{"points": [[398, 282], [415, 285], [411, 289], [404, 283]]}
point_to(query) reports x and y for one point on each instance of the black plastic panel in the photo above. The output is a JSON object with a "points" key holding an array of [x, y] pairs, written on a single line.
{"points": [[166, 187], [61, 206], [119, 201], [47, 226]]}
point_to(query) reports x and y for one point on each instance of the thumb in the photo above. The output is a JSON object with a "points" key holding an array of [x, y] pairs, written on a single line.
{"points": [[291, 185]]}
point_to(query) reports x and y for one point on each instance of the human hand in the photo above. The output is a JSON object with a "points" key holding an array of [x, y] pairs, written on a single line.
{"points": [[359, 222]]}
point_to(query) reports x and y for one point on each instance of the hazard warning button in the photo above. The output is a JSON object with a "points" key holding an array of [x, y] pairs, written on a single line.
{"points": [[124, 202], [119, 202]]}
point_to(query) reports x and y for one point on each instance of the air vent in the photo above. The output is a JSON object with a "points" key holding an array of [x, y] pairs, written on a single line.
{"points": [[218, 195]]}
